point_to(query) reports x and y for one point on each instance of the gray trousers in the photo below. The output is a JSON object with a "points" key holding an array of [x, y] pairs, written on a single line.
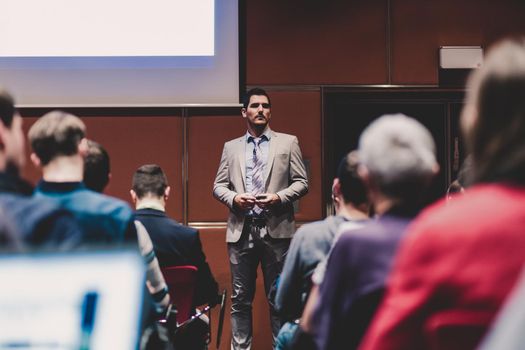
{"points": [[254, 247]]}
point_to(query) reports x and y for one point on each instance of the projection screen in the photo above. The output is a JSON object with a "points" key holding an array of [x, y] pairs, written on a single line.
{"points": [[78, 53]]}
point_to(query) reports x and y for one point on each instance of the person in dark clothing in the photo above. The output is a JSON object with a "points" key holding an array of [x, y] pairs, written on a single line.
{"points": [[174, 244], [35, 222]]}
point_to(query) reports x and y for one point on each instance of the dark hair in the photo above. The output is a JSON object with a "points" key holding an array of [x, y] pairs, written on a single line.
{"points": [[96, 167], [7, 107], [149, 179], [497, 136], [254, 92], [352, 187], [56, 133]]}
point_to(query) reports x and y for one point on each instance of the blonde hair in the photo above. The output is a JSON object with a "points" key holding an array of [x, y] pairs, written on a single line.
{"points": [[56, 133]]}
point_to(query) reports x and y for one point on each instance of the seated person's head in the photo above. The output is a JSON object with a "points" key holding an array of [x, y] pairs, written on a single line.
{"points": [[96, 167], [493, 119], [149, 181], [7, 108], [349, 185], [12, 150], [397, 158], [57, 134]]}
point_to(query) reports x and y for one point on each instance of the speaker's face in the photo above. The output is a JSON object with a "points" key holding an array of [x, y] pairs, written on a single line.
{"points": [[258, 113]]}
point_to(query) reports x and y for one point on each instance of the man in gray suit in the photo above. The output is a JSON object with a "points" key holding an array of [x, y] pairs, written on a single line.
{"points": [[260, 175]]}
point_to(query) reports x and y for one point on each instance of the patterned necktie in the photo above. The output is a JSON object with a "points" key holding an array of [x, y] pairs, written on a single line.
{"points": [[257, 173]]}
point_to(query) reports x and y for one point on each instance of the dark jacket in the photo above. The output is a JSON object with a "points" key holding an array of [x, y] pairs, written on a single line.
{"points": [[35, 221], [176, 245], [104, 219]]}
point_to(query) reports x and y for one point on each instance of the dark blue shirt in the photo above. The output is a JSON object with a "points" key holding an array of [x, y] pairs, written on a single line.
{"points": [[36, 222], [104, 219]]}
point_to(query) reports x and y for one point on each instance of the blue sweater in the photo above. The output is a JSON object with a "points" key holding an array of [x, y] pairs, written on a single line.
{"points": [[104, 220]]}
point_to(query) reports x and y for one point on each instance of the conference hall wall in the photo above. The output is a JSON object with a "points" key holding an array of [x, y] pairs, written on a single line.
{"points": [[297, 49]]}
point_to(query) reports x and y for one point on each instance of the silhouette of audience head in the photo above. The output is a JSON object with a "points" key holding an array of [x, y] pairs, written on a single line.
{"points": [[149, 181], [348, 187], [397, 158], [7, 107], [493, 120], [97, 171], [57, 134], [12, 152]]}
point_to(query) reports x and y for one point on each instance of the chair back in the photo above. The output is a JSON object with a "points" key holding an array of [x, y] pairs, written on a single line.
{"points": [[456, 329], [181, 281]]}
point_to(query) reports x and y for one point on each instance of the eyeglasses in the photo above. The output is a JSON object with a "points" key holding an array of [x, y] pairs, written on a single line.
{"points": [[256, 105]]}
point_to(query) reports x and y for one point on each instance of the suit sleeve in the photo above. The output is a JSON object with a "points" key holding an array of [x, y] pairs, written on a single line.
{"points": [[298, 179], [221, 187]]}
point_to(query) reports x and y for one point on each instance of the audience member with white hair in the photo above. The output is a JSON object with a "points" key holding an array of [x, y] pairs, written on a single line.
{"points": [[397, 162]]}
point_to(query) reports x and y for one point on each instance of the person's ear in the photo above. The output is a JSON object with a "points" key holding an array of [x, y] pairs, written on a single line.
{"points": [[167, 193], [435, 169], [83, 147], [133, 196], [35, 160], [336, 188], [243, 112]]}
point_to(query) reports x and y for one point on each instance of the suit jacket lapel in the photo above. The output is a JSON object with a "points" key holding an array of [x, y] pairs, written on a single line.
{"points": [[271, 157]]}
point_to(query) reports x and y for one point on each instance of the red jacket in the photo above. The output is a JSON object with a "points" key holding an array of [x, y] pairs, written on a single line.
{"points": [[458, 263]]}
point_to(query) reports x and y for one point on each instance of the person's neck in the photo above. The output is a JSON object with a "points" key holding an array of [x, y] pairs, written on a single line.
{"points": [[3, 164], [7, 166], [256, 132], [383, 204], [151, 203], [64, 169], [350, 212]]}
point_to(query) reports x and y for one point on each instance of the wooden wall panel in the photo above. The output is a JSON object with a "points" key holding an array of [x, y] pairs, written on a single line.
{"points": [[419, 28], [30, 173], [132, 142], [316, 42], [214, 246], [206, 137], [299, 113], [295, 113]]}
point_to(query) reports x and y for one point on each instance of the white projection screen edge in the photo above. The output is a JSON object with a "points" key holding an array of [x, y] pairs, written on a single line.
{"points": [[180, 54]]}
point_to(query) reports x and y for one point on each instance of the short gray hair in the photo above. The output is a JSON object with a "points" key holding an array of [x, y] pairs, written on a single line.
{"points": [[399, 153]]}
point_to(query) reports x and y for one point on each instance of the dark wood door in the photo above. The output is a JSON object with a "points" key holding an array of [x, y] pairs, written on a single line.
{"points": [[348, 112]]}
